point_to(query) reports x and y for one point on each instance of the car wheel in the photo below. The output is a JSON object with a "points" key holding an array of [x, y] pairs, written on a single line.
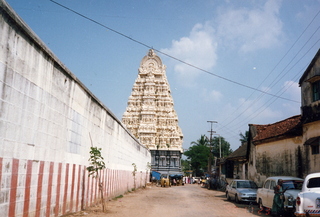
{"points": [[228, 197], [236, 198]]}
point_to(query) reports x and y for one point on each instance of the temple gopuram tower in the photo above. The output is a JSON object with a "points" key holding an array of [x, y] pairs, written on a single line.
{"points": [[151, 118]]}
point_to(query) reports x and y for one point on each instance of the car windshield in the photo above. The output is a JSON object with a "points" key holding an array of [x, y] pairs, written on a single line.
{"points": [[246, 184], [314, 183], [292, 184]]}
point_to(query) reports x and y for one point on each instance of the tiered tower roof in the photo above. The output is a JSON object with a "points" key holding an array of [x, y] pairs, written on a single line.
{"points": [[150, 114]]}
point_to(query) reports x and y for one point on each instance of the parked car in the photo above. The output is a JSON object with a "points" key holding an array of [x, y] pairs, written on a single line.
{"points": [[266, 193], [242, 191], [308, 200]]}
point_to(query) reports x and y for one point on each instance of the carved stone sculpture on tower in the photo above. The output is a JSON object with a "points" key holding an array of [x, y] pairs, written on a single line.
{"points": [[150, 114]]}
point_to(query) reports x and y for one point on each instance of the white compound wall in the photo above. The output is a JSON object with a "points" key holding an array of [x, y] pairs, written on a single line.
{"points": [[48, 122]]}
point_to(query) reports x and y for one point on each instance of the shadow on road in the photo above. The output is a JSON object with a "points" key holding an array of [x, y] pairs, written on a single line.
{"points": [[250, 207]]}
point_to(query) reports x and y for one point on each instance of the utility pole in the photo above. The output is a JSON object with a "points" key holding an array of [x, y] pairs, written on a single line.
{"points": [[219, 142], [210, 155]]}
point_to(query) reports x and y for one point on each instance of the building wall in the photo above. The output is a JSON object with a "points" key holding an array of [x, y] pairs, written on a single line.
{"points": [[48, 122], [285, 157], [308, 78], [311, 130]]}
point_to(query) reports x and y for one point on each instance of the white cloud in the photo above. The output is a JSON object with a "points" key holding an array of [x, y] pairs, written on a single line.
{"points": [[244, 29], [215, 95], [211, 96], [251, 30], [198, 49]]}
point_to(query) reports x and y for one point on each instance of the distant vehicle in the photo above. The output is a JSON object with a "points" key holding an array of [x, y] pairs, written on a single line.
{"points": [[266, 193], [165, 180], [196, 180], [242, 191], [176, 179], [308, 200]]}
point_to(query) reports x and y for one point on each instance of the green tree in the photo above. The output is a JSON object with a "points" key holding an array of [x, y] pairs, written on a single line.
{"points": [[97, 164], [225, 147], [198, 155], [244, 138], [185, 165]]}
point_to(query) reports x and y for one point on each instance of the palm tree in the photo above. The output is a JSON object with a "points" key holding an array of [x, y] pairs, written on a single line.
{"points": [[244, 138], [202, 141], [198, 154]]}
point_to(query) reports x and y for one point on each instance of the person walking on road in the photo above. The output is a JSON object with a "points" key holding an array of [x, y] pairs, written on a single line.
{"points": [[278, 199]]}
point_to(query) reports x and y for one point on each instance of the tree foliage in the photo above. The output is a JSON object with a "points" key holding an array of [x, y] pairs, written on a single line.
{"points": [[198, 155], [225, 147], [185, 165], [97, 164], [244, 138]]}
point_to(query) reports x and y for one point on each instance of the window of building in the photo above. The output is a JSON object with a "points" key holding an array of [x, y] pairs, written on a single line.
{"points": [[314, 145], [315, 148], [162, 162], [316, 91]]}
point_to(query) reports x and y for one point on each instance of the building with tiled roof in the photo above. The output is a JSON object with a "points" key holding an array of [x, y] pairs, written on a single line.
{"points": [[282, 129], [289, 147], [237, 160]]}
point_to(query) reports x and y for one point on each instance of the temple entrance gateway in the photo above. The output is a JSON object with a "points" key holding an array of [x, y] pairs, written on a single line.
{"points": [[150, 115]]}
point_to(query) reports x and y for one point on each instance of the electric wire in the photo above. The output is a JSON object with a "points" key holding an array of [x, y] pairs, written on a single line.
{"points": [[200, 69], [280, 92], [172, 57], [277, 79], [291, 47]]}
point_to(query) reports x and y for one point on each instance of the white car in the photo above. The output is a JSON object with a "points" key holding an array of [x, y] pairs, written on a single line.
{"points": [[308, 200], [242, 190], [266, 193]]}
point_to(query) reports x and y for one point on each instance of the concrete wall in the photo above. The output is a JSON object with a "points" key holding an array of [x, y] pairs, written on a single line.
{"points": [[284, 157], [309, 77], [48, 122], [311, 130]]}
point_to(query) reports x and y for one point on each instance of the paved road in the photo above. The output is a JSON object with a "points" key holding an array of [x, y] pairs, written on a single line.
{"points": [[176, 201]]}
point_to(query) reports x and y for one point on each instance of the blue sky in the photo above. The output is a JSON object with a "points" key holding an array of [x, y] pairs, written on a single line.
{"points": [[244, 58]]}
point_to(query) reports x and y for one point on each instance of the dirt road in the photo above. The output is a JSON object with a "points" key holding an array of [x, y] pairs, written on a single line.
{"points": [[176, 201]]}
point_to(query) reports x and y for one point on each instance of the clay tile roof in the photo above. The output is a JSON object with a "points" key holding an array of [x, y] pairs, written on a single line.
{"points": [[290, 126]]}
